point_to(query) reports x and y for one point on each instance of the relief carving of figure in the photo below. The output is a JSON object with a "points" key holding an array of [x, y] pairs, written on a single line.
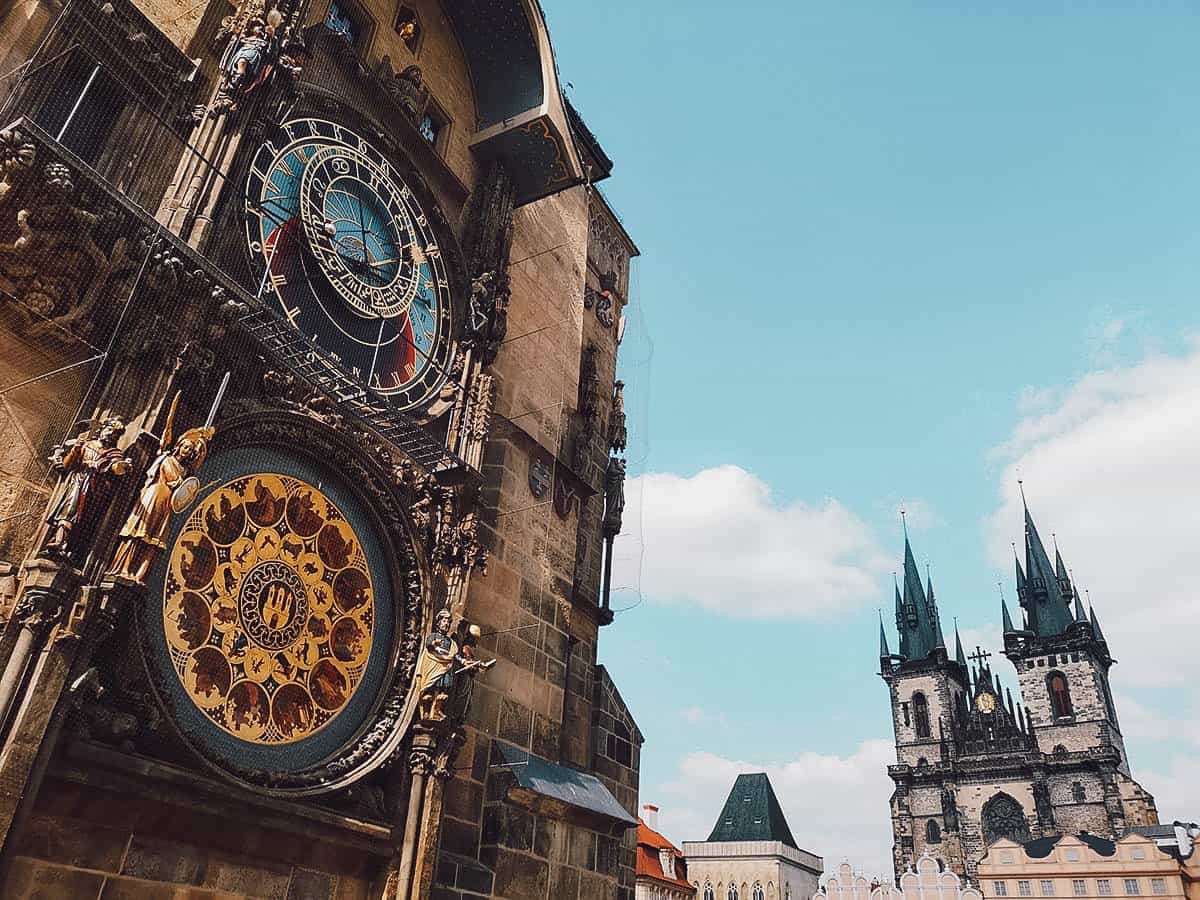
{"points": [[409, 90], [442, 665], [88, 464], [618, 434], [614, 496]]}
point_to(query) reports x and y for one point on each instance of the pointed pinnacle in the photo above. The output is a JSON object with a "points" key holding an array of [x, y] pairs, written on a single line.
{"points": [[884, 652], [1008, 624]]}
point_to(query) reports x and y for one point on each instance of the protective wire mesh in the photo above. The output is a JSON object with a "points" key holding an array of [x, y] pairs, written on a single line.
{"points": [[634, 367]]}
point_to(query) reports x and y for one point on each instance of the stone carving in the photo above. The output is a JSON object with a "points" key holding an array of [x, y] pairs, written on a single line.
{"points": [[443, 668], [604, 309], [88, 465], [487, 315], [618, 434], [259, 42], [410, 93], [614, 496], [487, 245]]}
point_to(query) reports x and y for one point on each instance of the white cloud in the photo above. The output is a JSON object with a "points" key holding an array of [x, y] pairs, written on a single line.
{"points": [[719, 540], [1176, 789], [696, 715], [836, 805], [1113, 467]]}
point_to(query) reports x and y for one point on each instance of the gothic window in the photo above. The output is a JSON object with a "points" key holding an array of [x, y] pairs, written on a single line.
{"points": [[907, 718], [758, 892], [1078, 794], [708, 892], [408, 26], [933, 834], [1060, 695], [347, 19], [1004, 818], [921, 715], [732, 894]]}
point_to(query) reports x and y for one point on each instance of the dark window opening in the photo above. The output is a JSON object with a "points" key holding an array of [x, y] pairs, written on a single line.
{"points": [[1060, 695], [1078, 793], [82, 108], [921, 714], [933, 834]]}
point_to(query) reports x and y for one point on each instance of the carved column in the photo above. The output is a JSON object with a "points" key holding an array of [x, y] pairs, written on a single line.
{"points": [[399, 884], [45, 703]]}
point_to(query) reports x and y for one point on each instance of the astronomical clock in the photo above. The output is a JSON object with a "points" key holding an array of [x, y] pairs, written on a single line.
{"points": [[281, 629], [346, 252]]}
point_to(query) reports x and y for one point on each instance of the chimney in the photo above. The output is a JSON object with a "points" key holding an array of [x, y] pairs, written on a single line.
{"points": [[650, 816]]}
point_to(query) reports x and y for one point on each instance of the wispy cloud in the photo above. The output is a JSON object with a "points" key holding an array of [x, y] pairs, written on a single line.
{"points": [[720, 540]]}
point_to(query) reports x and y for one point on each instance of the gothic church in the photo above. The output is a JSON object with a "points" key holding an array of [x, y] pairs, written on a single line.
{"points": [[972, 766]]}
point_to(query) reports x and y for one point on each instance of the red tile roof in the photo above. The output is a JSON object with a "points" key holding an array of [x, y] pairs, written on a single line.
{"points": [[650, 842]]}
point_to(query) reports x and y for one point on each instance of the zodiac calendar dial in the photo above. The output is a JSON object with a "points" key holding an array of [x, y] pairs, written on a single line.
{"points": [[343, 246], [268, 609]]}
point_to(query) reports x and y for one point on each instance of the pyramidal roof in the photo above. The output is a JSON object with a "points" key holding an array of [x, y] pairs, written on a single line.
{"points": [[752, 813]]}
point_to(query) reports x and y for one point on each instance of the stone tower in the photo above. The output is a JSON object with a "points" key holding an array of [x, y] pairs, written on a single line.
{"points": [[972, 765]]}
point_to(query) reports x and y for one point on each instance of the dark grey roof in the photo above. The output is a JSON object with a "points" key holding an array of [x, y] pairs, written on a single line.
{"points": [[1041, 848], [569, 786], [752, 813]]}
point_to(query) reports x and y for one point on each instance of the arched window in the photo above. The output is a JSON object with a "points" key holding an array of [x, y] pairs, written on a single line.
{"points": [[1060, 695], [933, 834], [757, 893], [708, 892], [732, 893], [1003, 817], [921, 715], [1078, 794]]}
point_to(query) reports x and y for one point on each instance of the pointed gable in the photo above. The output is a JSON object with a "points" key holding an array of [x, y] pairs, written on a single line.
{"points": [[752, 813]]}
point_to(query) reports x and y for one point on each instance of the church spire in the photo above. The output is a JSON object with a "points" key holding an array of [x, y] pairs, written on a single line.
{"points": [[920, 618], [959, 656], [1046, 608], [901, 623], [1096, 632], [884, 652], [1008, 624], [1080, 616]]}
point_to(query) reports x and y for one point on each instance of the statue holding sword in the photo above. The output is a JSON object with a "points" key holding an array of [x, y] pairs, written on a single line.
{"points": [[171, 486]]}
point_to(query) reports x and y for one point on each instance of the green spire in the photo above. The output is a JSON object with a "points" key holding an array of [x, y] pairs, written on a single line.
{"points": [[1080, 615], [1048, 610], [901, 625], [1008, 625], [884, 652], [959, 656], [1096, 632], [1022, 583], [920, 616], [933, 610]]}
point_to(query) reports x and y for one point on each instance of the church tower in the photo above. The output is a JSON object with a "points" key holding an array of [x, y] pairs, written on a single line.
{"points": [[973, 766], [1063, 661], [926, 688]]}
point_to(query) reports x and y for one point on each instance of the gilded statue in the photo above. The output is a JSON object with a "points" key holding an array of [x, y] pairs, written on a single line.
{"points": [[88, 465], [445, 662], [170, 486]]}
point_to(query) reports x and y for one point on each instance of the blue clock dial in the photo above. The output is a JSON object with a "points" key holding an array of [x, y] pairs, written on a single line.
{"points": [[344, 248]]}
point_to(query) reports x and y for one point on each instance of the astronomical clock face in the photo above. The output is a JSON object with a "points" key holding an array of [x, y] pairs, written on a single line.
{"points": [[272, 625], [346, 251], [985, 703]]}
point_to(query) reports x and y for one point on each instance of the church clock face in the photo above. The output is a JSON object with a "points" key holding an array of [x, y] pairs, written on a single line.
{"points": [[985, 703], [343, 247]]}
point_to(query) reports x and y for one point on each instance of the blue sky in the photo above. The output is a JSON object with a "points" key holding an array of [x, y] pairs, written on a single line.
{"points": [[893, 255]]}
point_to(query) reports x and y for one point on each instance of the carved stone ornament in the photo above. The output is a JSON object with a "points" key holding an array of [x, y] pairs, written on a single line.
{"points": [[539, 476], [564, 497], [614, 496], [604, 308], [618, 434], [376, 743]]}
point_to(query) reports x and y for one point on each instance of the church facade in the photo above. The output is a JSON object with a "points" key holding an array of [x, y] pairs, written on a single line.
{"points": [[973, 765], [311, 458]]}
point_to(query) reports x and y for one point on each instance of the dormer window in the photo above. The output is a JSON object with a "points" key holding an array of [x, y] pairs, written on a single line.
{"points": [[666, 859]]}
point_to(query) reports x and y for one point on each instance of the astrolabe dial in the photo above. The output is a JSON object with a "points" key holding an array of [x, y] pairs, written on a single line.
{"points": [[345, 250], [268, 609]]}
